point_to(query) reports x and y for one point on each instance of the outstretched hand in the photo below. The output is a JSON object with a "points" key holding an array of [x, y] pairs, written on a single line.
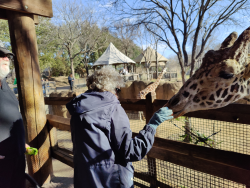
{"points": [[160, 116]]}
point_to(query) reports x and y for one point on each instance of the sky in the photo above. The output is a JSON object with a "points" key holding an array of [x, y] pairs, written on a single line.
{"points": [[103, 6]]}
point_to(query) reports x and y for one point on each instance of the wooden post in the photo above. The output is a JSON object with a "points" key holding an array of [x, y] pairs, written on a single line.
{"points": [[151, 161], [31, 100]]}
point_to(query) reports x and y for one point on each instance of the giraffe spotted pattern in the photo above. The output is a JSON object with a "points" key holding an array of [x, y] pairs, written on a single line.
{"points": [[223, 78]]}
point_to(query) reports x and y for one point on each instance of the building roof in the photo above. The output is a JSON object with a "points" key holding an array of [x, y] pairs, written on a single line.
{"points": [[149, 55], [112, 56]]}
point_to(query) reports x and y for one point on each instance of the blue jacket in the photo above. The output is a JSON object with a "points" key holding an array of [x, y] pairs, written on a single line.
{"points": [[102, 141]]}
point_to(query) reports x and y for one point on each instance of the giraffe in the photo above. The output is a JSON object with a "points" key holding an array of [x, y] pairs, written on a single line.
{"points": [[152, 87], [223, 78]]}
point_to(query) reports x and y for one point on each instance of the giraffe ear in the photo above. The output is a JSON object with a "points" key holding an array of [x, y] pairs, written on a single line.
{"points": [[229, 41]]}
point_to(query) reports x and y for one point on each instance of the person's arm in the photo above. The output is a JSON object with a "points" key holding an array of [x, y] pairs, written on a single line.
{"points": [[132, 149]]}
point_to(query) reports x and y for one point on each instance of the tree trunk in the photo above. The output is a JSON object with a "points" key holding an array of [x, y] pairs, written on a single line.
{"points": [[73, 73], [87, 70], [187, 130], [72, 67]]}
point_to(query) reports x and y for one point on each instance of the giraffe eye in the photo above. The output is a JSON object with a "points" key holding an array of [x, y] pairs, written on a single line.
{"points": [[225, 75]]}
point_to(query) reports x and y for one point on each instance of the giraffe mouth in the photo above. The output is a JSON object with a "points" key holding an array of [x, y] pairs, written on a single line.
{"points": [[178, 113]]}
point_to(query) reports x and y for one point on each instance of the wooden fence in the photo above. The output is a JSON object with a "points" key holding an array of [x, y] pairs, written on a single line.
{"points": [[225, 164]]}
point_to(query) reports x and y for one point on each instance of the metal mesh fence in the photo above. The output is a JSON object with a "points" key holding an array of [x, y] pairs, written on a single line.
{"points": [[231, 137]]}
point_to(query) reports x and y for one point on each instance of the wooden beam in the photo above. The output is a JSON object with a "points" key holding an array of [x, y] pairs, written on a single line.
{"points": [[59, 122], [24, 46], [222, 170], [57, 100], [225, 164], [38, 7], [235, 113], [63, 156], [3, 15]]}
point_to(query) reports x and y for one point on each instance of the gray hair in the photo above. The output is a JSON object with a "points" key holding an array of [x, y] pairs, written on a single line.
{"points": [[105, 79]]}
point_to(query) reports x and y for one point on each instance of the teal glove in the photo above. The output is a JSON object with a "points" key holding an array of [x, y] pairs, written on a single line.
{"points": [[160, 116]]}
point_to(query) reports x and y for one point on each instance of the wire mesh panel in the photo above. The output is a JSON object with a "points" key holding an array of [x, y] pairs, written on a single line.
{"points": [[172, 175], [229, 136]]}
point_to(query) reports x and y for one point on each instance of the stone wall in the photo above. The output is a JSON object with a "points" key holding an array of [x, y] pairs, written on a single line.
{"points": [[165, 90]]}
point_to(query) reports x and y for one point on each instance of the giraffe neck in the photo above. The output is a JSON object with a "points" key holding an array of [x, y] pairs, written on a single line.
{"points": [[156, 83], [151, 87]]}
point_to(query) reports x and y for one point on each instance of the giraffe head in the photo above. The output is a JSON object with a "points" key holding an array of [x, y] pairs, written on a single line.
{"points": [[223, 78]]}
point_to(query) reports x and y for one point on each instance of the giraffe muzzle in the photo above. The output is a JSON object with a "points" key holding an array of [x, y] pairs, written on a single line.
{"points": [[172, 104]]}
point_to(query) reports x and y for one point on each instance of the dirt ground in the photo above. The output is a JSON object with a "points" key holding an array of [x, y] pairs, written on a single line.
{"points": [[62, 81]]}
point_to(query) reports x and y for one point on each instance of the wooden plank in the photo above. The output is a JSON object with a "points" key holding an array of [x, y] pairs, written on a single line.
{"points": [[52, 136], [24, 46], [38, 7], [235, 113], [3, 15], [59, 122], [57, 100], [221, 156], [222, 170], [63, 157], [225, 164]]}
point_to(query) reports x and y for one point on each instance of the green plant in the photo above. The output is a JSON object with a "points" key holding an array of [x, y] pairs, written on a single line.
{"points": [[195, 136]]}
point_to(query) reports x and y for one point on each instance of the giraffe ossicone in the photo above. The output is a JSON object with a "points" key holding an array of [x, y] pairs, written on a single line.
{"points": [[223, 78]]}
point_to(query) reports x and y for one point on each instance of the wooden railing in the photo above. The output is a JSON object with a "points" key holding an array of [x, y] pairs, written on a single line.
{"points": [[225, 164]]}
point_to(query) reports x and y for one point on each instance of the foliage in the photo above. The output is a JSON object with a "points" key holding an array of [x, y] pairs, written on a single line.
{"points": [[54, 37], [60, 67], [199, 138], [4, 32], [80, 69]]}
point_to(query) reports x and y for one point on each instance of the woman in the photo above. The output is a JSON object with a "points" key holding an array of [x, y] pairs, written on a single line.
{"points": [[71, 80], [102, 139]]}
